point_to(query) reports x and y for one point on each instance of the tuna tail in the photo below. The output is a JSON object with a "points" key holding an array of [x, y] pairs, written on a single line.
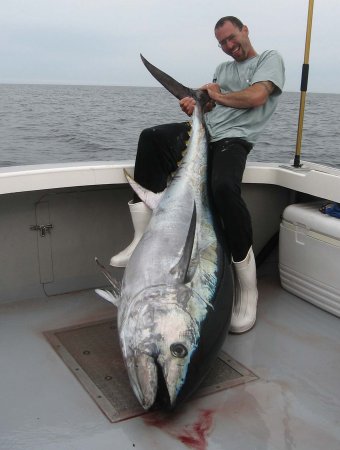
{"points": [[174, 87]]}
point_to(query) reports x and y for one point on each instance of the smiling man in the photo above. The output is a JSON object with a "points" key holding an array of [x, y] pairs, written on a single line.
{"points": [[244, 94]]}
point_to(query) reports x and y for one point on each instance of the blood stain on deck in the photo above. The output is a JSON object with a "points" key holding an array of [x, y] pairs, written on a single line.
{"points": [[193, 436]]}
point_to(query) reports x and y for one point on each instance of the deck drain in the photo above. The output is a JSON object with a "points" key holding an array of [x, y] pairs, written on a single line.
{"points": [[91, 351]]}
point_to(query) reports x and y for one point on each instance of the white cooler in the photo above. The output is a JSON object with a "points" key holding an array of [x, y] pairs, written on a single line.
{"points": [[309, 260]]}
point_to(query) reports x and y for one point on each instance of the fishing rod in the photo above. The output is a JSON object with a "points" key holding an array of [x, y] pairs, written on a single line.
{"points": [[304, 83]]}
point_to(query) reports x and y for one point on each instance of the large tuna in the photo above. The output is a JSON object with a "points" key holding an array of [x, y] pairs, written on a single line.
{"points": [[175, 302]]}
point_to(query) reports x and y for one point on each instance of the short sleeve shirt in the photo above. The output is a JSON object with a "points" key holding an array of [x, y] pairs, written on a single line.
{"points": [[225, 122]]}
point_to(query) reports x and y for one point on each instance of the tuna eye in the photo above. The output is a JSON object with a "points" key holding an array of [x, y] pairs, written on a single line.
{"points": [[178, 350]]}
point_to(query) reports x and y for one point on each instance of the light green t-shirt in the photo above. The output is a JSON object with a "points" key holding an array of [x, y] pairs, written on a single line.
{"points": [[225, 122]]}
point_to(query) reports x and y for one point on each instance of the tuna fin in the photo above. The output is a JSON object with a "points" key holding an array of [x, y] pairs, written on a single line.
{"points": [[208, 254], [193, 264], [107, 295], [174, 87], [181, 268], [148, 197], [114, 283], [202, 299]]}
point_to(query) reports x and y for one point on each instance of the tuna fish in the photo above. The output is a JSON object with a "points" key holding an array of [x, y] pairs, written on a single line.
{"points": [[175, 300]]}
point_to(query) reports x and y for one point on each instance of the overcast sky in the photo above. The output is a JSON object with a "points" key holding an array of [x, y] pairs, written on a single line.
{"points": [[99, 41]]}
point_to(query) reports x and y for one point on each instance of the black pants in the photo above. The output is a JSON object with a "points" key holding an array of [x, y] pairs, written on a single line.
{"points": [[159, 150]]}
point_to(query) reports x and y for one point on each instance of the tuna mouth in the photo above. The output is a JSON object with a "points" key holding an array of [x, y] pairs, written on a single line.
{"points": [[149, 383], [162, 400]]}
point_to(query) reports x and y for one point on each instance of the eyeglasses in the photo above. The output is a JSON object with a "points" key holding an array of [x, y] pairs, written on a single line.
{"points": [[224, 41]]}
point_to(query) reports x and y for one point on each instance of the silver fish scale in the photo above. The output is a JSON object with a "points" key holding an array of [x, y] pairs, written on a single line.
{"points": [[159, 306], [163, 242]]}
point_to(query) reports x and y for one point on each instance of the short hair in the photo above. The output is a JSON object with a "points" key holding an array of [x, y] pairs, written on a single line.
{"points": [[234, 20]]}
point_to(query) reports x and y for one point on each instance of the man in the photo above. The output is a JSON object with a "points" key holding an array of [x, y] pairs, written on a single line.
{"points": [[244, 95]]}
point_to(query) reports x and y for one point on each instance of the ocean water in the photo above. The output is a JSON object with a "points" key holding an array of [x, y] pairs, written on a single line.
{"points": [[57, 124]]}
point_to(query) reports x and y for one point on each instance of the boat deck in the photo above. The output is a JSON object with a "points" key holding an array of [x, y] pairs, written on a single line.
{"points": [[294, 349]]}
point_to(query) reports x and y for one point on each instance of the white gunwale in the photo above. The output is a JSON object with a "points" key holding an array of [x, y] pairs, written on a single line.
{"points": [[314, 179]]}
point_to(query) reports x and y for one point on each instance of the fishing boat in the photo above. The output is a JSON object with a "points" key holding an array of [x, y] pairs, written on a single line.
{"points": [[62, 384]]}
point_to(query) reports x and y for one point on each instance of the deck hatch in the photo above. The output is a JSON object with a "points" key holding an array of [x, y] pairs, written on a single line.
{"points": [[91, 351]]}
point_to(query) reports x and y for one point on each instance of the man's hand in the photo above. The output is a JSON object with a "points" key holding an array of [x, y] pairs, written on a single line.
{"points": [[187, 105], [213, 90]]}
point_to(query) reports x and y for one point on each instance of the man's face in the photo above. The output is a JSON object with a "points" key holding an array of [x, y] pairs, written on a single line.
{"points": [[234, 42]]}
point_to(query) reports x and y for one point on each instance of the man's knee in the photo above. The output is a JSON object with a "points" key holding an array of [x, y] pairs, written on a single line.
{"points": [[148, 144], [157, 137], [147, 135]]}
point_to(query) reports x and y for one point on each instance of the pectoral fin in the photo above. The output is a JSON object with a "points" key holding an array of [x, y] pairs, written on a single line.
{"points": [[180, 270]]}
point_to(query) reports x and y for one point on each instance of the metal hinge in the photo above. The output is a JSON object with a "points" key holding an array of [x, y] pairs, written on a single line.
{"points": [[42, 228]]}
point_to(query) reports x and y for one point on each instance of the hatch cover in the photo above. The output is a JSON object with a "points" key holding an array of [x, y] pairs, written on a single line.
{"points": [[91, 351]]}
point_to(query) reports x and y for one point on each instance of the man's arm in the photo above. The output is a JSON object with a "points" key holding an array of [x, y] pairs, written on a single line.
{"points": [[251, 97]]}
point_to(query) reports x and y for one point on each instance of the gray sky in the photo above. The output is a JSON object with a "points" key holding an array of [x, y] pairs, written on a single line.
{"points": [[99, 41]]}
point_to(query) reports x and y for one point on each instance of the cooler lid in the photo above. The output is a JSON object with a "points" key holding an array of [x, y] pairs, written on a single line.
{"points": [[308, 216]]}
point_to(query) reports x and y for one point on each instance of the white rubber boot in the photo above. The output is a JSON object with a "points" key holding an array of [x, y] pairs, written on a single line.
{"points": [[140, 215], [245, 301]]}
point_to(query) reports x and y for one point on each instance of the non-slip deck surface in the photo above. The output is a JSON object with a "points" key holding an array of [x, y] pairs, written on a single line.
{"points": [[294, 349], [91, 351]]}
